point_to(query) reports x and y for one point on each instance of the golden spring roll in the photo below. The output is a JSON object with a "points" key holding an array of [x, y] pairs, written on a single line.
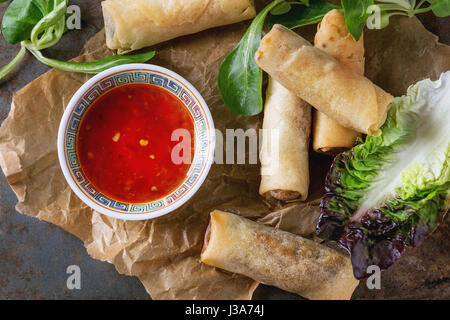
{"points": [[333, 38], [347, 97], [285, 169], [135, 24], [277, 258]]}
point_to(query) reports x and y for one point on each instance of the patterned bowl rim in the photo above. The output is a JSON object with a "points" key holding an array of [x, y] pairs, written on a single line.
{"points": [[187, 193]]}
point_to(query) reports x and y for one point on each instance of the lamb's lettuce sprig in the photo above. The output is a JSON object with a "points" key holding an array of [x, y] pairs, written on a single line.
{"points": [[40, 24], [376, 13]]}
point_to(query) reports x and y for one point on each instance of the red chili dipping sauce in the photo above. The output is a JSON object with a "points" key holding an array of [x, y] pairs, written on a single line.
{"points": [[124, 143]]}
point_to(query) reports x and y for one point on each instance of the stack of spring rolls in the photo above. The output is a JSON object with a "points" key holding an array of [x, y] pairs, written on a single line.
{"points": [[328, 77], [333, 38]]}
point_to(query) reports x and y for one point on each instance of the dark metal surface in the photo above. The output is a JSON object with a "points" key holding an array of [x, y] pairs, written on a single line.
{"points": [[34, 255]]}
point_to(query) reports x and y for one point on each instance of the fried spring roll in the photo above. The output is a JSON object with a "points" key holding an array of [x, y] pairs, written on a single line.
{"points": [[277, 258], [347, 97], [135, 24], [285, 169], [333, 38]]}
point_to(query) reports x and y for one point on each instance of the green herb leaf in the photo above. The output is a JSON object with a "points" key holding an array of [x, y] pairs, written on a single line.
{"points": [[441, 8], [282, 8], [14, 63], [300, 15], [20, 18], [240, 79], [51, 27], [50, 5], [93, 66], [356, 16]]}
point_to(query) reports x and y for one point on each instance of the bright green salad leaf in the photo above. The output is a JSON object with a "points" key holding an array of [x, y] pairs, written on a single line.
{"points": [[282, 8], [356, 15], [14, 63], [20, 18], [441, 8], [285, 7], [240, 79], [393, 190], [300, 15], [49, 30]]}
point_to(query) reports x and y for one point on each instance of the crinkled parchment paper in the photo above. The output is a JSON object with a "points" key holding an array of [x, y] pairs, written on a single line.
{"points": [[164, 253]]}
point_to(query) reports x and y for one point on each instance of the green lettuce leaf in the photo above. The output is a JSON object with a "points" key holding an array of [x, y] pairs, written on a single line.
{"points": [[391, 191]]}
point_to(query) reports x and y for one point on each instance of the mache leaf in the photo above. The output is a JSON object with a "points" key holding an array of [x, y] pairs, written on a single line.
{"points": [[301, 15], [356, 15], [240, 79], [441, 8], [20, 18]]}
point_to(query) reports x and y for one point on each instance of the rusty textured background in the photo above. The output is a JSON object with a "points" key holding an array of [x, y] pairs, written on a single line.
{"points": [[34, 255]]}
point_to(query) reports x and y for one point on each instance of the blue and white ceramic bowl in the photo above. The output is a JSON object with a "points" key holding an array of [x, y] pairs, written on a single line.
{"points": [[102, 83]]}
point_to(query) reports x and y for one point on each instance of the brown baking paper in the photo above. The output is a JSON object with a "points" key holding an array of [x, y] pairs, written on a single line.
{"points": [[164, 253]]}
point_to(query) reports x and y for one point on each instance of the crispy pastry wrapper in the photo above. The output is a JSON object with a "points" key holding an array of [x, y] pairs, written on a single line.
{"points": [[277, 258], [135, 24], [319, 79], [285, 147], [333, 38], [165, 253]]}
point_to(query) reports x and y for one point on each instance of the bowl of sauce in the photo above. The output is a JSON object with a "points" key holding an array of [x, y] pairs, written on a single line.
{"points": [[136, 142]]}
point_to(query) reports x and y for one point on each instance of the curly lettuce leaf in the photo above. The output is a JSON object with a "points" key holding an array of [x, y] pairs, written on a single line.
{"points": [[391, 191]]}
